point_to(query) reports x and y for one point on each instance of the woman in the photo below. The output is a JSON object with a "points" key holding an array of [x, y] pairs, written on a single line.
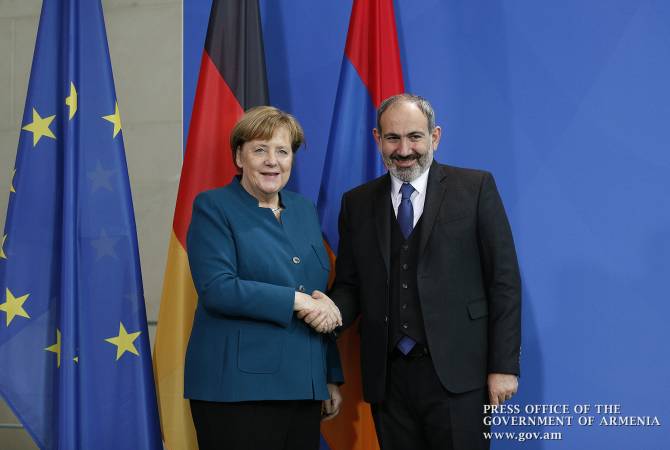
{"points": [[257, 376]]}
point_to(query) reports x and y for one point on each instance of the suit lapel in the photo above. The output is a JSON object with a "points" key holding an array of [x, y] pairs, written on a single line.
{"points": [[382, 209], [434, 197]]}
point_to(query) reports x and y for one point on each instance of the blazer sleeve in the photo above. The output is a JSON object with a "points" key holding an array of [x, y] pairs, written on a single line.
{"points": [[334, 372], [345, 287], [502, 280], [212, 255]]}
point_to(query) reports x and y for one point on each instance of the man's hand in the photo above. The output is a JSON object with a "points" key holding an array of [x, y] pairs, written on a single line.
{"points": [[331, 408], [502, 386], [318, 311], [312, 318]]}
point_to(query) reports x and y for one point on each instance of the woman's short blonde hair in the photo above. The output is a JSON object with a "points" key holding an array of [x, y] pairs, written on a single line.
{"points": [[261, 122]]}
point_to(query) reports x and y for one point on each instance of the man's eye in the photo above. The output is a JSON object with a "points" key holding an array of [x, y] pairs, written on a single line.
{"points": [[392, 139]]}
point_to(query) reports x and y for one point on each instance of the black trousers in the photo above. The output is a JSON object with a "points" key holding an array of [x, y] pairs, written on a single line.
{"points": [[267, 425], [419, 413]]}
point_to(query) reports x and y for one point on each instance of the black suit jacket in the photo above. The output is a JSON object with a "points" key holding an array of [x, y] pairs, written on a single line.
{"points": [[467, 276]]}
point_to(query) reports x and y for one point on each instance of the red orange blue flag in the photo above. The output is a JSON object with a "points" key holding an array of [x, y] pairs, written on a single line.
{"points": [[371, 71]]}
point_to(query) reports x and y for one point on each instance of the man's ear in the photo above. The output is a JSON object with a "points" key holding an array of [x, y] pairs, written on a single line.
{"points": [[435, 136], [377, 137]]}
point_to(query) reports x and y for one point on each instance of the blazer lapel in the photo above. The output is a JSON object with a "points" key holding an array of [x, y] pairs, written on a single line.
{"points": [[291, 227], [434, 197], [382, 210]]}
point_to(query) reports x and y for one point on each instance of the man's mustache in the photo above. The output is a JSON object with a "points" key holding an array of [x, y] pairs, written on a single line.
{"points": [[404, 158]]}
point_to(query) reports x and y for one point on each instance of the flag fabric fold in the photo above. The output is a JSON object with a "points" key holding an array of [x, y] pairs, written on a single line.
{"points": [[371, 71], [232, 79], [75, 363]]}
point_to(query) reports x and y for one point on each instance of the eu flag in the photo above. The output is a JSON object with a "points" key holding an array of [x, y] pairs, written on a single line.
{"points": [[75, 361]]}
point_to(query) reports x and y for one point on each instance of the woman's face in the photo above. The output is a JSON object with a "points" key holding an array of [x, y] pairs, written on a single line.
{"points": [[266, 164]]}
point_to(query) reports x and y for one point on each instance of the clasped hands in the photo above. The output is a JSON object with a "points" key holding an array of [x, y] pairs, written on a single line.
{"points": [[318, 311]]}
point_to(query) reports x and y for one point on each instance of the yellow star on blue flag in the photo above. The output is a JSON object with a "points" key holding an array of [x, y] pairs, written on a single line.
{"points": [[115, 119], [12, 190], [55, 348], [13, 306], [124, 342], [39, 127], [71, 101]]}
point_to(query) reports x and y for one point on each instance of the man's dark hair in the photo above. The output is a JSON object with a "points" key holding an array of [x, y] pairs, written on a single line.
{"points": [[420, 102]]}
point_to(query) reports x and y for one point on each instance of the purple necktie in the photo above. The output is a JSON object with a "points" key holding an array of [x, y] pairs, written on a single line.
{"points": [[406, 210], [406, 344]]}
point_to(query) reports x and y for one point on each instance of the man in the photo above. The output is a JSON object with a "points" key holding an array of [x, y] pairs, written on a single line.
{"points": [[426, 258]]}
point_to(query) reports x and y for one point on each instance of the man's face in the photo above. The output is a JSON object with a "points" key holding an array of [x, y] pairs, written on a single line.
{"points": [[404, 141]]}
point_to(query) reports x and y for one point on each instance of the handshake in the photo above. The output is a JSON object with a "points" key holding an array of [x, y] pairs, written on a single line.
{"points": [[318, 311]]}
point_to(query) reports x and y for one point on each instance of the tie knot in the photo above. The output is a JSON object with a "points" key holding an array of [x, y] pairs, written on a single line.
{"points": [[406, 190]]}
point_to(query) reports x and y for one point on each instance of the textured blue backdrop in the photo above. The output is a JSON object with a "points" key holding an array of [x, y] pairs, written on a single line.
{"points": [[568, 104]]}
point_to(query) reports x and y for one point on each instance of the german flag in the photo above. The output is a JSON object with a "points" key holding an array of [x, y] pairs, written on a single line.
{"points": [[232, 79]]}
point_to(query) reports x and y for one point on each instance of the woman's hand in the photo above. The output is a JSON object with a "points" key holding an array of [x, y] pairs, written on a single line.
{"points": [[331, 407], [318, 311]]}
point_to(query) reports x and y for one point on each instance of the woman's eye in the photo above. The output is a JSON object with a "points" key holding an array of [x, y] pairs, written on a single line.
{"points": [[283, 151], [259, 150]]}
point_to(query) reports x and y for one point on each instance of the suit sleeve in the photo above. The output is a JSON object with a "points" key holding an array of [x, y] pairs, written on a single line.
{"points": [[345, 287], [213, 256], [502, 280]]}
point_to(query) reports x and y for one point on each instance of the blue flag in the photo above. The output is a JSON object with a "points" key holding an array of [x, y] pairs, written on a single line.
{"points": [[75, 364]]}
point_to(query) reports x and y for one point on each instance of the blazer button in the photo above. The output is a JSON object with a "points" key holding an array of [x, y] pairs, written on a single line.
{"points": [[386, 319], [404, 285], [296, 260], [404, 267], [405, 326], [301, 288]]}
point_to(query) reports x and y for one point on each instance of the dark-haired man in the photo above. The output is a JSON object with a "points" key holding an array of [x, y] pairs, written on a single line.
{"points": [[426, 259]]}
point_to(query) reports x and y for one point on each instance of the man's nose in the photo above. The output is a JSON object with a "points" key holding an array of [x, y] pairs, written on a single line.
{"points": [[404, 146]]}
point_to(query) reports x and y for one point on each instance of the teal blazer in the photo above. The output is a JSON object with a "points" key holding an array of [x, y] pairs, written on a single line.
{"points": [[246, 342]]}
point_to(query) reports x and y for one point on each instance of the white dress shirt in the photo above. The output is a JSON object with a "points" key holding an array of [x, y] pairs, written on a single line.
{"points": [[418, 197]]}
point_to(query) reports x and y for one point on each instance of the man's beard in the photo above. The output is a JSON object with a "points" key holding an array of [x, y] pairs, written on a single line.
{"points": [[409, 174]]}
